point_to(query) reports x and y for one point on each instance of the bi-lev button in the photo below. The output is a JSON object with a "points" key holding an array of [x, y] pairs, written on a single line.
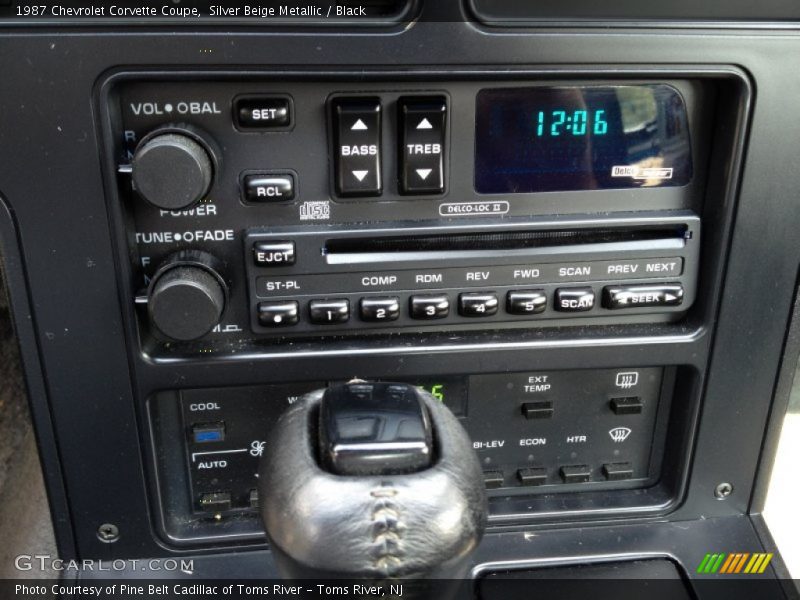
{"points": [[422, 131], [357, 129]]}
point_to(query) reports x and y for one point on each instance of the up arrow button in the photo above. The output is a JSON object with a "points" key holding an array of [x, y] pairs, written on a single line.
{"points": [[423, 126]]}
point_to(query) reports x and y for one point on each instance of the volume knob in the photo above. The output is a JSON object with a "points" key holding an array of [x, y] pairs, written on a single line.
{"points": [[186, 300], [172, 170]]}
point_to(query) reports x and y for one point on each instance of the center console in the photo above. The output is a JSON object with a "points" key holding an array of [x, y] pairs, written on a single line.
{"points": [[540, 250]]}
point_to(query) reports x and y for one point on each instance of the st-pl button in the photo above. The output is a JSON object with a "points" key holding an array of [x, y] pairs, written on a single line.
{"points": [[422, 144], [357, 151], [278, 313]]}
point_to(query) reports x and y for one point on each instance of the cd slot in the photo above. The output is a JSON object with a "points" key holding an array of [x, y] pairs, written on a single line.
{"points": [[450, 246]]}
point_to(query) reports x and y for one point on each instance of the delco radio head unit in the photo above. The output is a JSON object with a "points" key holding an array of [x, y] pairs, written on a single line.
{"points": [[355, 279]]}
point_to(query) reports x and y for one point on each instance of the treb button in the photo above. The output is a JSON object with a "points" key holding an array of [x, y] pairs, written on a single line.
{"points": [[357, 151], [423, 124]]}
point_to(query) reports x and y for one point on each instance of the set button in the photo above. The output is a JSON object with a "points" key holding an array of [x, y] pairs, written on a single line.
{"points": [[329, 312], [263, 112]]}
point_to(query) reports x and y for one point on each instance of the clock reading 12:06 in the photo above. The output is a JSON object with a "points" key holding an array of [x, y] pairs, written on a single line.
{"points": [[578, 122], [580, 137]]}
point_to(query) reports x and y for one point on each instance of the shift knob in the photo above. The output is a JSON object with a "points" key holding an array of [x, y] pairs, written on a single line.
{"points": [[372, 481]]}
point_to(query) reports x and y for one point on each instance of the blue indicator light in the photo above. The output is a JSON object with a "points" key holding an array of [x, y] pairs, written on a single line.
{"points": [[214, 432]]}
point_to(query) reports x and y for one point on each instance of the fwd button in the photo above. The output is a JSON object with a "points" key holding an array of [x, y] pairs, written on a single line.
{"points": [[641, 296]]}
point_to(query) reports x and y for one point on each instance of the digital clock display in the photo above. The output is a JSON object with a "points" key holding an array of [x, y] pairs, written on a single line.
{"points": [[580, 138]]}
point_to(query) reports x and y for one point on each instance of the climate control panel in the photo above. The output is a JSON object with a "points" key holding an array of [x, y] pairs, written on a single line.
{"points": [[535, 432]]}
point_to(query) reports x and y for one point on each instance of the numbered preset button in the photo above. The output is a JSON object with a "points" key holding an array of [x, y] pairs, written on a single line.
{"points": [[477, 305], [327, 312], [429, 307], [380, 309], [526, 302]]}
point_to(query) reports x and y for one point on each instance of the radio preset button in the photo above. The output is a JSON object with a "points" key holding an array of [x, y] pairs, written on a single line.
{"points": [[640, 296], [574, 299], [278, 314], [422, 140], [527, 302], [357, 151], [268, 112], [429, 307], [380, 309], [269, 188], [477, 305], [328, 312], [274, 254]]}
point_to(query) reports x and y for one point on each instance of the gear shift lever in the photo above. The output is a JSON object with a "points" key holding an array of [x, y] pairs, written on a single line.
{"points": [[371, 481]]}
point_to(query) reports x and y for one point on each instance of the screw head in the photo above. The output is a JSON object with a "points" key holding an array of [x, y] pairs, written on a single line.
{"points": [[108, 533], [723, 490]]}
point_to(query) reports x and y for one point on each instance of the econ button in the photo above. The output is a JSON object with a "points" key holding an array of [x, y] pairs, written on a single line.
{"points": [[268, 188]]}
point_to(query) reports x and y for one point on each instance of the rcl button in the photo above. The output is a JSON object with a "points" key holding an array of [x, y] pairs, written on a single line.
{"points": [[268, 188], [574, 299], [273, 254], [640, 296]]}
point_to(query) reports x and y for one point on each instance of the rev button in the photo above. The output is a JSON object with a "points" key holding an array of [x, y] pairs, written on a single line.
{"points": [[268, 188]]}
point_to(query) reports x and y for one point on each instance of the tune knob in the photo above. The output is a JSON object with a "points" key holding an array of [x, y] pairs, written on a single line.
{"points": [[172, 170], [186, 297]]}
